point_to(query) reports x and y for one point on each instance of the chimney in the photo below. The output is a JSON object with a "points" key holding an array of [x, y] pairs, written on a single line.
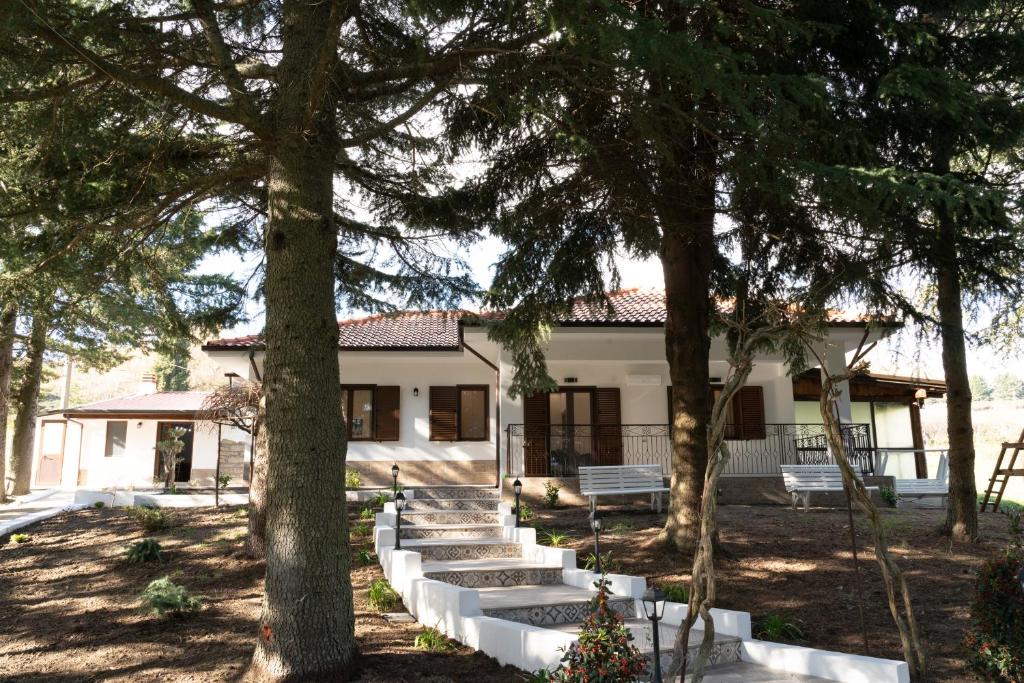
{"points": [[147, 384]]}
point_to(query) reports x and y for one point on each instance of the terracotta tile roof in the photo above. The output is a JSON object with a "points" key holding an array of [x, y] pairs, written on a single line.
{"points": [[170, 402], [439, 330]]}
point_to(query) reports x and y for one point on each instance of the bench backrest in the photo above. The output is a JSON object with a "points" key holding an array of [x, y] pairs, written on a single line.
{"points": [[808, 477], [620, 478]]}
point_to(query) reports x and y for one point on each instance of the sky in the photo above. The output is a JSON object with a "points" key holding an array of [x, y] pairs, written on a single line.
{"points": [[901, 354]]}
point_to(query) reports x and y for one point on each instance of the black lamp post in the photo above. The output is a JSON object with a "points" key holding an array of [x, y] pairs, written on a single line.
{"points": [[399, 506], [595, 524], [394, 475], [517, 490], [654, 609]]}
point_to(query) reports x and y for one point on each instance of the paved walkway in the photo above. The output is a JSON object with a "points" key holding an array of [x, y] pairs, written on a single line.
{"points": [[32, 508]]}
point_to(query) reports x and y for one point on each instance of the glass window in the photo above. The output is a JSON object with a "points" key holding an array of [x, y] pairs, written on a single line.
{"points": [[473, 413], [117, 433], [361, 422]]}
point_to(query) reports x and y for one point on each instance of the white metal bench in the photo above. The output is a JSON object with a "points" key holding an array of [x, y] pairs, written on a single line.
{"points": [[803, 480], [622, 480], [921, 488]]}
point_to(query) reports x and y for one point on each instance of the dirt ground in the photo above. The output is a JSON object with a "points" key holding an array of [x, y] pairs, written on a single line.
{"points": [[69, 600], [69, 608], [799, 565]]}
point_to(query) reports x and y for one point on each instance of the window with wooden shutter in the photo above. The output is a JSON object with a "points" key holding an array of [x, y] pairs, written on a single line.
{"points": [[472, 412], [749, 404], [608, 410], [444, 409], [386, 413]]}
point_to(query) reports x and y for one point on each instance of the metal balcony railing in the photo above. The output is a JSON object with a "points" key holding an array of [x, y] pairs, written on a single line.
{"points": [[559, 450]]}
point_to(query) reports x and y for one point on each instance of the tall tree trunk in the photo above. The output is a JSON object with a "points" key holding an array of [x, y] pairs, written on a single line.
{"points": [[307, 623], [8, 317], [687, 247], [28, 405], [962, 513], [256, 542]]}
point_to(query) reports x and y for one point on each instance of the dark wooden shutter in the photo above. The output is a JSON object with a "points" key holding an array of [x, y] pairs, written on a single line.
{"points": [[386, 413], [444, 413], [535, 435], [750, 409], [609, 426]]}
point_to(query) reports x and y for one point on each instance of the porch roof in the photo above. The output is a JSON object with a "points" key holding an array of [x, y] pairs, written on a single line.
{"points": [[871, 386], [442, 330], [176, 404]]}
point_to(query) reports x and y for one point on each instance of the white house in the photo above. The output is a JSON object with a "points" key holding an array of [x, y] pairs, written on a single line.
{"points": [[429, 392], [112, 443]]}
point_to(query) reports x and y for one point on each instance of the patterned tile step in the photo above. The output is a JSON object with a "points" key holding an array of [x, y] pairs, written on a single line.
{"points": [[458, 493], [452, 531], [522, 575], [546, 605], [745, 672], [463, 549], [429, 504], [416, 518]]}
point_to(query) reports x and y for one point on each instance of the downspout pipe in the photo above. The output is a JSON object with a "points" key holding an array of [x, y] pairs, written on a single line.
{"points": [[497, 408]]}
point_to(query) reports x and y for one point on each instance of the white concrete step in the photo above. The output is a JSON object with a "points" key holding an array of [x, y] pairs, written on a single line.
{"points": [[546, 605], [418, 517], [462, 531], [462, 548], [466, 504], [457, 493], [745, 672], [493, 572]]}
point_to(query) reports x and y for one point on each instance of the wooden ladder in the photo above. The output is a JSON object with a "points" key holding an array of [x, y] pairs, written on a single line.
{"points": [[1001, 475]]}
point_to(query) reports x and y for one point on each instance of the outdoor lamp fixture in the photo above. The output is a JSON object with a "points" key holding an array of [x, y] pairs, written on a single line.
{"points": [[595, 524], [416, 391], [517, 490], [654, 609], [399, 506], [394, 475]]}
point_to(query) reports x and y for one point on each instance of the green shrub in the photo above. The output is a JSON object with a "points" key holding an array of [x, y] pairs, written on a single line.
{"points": [[539, 676], [352, 479], [380, 499], [525, 511], [555, 539], [146, 550], [163, 597], [777, 628], [150, 519], [382, 596], [223, 481], [361, 530], [551, 494], [675, 592], [21, 538], [366, 513], [604, 651], [365, 557], [608, 563], [432, 640], [889, 496], [99, 505]]}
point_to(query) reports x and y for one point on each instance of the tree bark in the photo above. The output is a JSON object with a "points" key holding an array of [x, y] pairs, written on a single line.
{"points": [[962, 513], [8, 317], [687, 247], [256, 542], [306, 630], [28, 405]]}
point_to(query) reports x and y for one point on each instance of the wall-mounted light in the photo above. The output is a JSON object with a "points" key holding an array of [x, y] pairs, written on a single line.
{"points": [[416, 391], [138, 425]]}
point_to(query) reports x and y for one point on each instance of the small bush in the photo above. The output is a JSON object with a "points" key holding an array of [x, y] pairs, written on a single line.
{"points": [[525, 511], [778, 629], [361, 530], [366, 513], [889, 496], [380, 499], [163, 597], [432, 640], [352, 479], [555, 539], [21, 538], [675, 592], [241, 513], [539, 676], [99, 505], [382, 596], [365, 557], [146, 550], [223, 481], [551, 494], [608, 563], [150, 519], [604, 651]]}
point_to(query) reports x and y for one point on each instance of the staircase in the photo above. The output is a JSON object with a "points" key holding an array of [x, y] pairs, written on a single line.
{"points": [[457, 531]]}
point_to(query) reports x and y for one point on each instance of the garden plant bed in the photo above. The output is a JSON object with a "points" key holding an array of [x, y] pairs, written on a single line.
{"points": [[70, 607], [799, 565]]}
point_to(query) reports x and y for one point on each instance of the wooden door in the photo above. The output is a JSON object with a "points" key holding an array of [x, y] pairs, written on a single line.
{"points": [[535, 436], [608, 411], [183, 471], [51, 453]]}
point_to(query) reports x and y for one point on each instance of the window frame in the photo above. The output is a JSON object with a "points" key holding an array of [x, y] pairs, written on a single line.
{"points": [[351, 388], [107, 441], [485, 389]]}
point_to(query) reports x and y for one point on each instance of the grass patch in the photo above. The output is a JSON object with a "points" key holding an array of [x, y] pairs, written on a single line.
{"points": [[778, 629], [676, 592], [163, 597], [146, 550], [432, 640], [21, 538], [555, 539], [150, 519], [382, 596]]}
